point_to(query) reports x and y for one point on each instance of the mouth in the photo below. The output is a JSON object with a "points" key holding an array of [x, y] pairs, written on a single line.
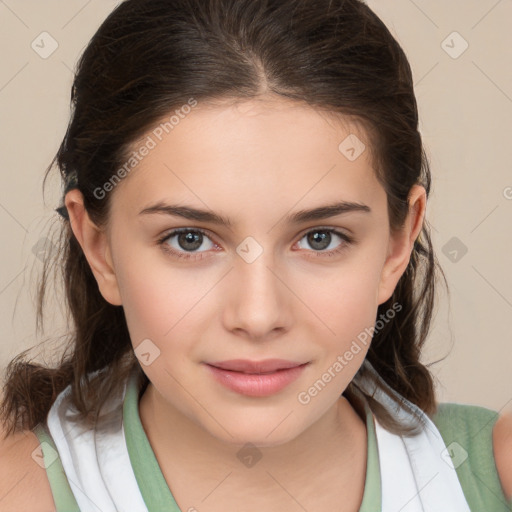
{"points": [[266, 366], [256, 379]]}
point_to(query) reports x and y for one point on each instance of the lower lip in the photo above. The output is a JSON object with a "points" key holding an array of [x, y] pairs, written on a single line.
{"points": [[257, 384]]}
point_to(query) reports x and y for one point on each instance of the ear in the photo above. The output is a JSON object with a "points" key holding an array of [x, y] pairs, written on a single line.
{"points": [[94, 243], [401, 244]]}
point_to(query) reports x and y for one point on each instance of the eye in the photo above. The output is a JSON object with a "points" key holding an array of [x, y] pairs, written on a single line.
{"points": [[185, 240], [184, 243], [321, 239]]}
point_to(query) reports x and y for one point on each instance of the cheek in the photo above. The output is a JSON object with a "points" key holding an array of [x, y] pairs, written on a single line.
{"points": [[157, 299], [347, 297], [347, 305]]}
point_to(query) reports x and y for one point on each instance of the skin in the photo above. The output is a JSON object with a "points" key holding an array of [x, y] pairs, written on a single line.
{"points": [[254, 162]]}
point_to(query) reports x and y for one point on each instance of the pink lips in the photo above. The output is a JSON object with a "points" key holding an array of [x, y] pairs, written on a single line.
{"points": [[256, 378]]}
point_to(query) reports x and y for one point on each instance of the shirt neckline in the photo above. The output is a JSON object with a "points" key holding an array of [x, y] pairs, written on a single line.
{"points": [[153, 486]]}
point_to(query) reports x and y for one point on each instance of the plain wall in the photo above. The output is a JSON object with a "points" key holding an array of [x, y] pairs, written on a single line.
{"points": [[465, 103]]}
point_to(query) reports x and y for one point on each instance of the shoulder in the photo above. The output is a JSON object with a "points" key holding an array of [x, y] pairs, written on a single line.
{"points": [[24, 483], [483, 436], [469, 424], [502, 442]]}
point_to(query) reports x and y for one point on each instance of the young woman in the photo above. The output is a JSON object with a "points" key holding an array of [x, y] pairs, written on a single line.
{"points": [[250, 274]]}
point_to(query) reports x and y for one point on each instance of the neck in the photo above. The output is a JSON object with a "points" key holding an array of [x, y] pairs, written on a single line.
{"points": [[332, 450]]}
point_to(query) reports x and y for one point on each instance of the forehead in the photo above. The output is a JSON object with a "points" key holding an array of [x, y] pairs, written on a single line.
{"points": [[260, 151]]}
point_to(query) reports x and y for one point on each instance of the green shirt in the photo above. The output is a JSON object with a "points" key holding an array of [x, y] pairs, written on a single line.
{"points": [[468, 425]]}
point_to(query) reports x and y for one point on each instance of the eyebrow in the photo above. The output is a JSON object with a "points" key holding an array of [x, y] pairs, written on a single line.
{"points": [[318, 213]]}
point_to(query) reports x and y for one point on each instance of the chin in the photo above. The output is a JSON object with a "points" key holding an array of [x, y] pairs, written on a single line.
{"points": [[264, 434]]}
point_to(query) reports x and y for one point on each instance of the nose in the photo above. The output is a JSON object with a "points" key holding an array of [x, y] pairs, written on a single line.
{"points": [[258, 304]]}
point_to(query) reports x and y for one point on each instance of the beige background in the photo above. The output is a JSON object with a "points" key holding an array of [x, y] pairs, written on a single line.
{"points": [[465, 102]]}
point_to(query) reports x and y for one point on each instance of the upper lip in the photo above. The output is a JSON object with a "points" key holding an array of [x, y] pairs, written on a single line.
{"points": [[247, 366]]}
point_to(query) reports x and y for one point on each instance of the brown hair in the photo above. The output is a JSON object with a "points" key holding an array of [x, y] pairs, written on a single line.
{"points": [[151, 56]]}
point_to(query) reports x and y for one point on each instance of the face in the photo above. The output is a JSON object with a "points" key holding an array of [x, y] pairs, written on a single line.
{"points": [[272, 283]]}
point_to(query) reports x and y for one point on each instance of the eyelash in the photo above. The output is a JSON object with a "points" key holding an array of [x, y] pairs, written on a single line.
{"points": [[194, 256]]}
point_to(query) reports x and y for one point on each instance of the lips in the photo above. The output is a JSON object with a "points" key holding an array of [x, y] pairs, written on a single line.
{"points": [[256, 378], [255, 367]]}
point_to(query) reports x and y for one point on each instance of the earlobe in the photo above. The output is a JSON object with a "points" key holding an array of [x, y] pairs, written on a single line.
{"points": [[401, 244], [94, 243]]}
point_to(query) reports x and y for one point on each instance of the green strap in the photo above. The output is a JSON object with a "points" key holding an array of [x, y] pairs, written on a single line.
{"points": [[152, 484], [62, 494], [372, 497], [467, 433]]}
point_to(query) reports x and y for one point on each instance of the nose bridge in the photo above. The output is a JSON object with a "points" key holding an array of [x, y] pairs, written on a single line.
{"points": [[254, 268], [257, 299]]}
